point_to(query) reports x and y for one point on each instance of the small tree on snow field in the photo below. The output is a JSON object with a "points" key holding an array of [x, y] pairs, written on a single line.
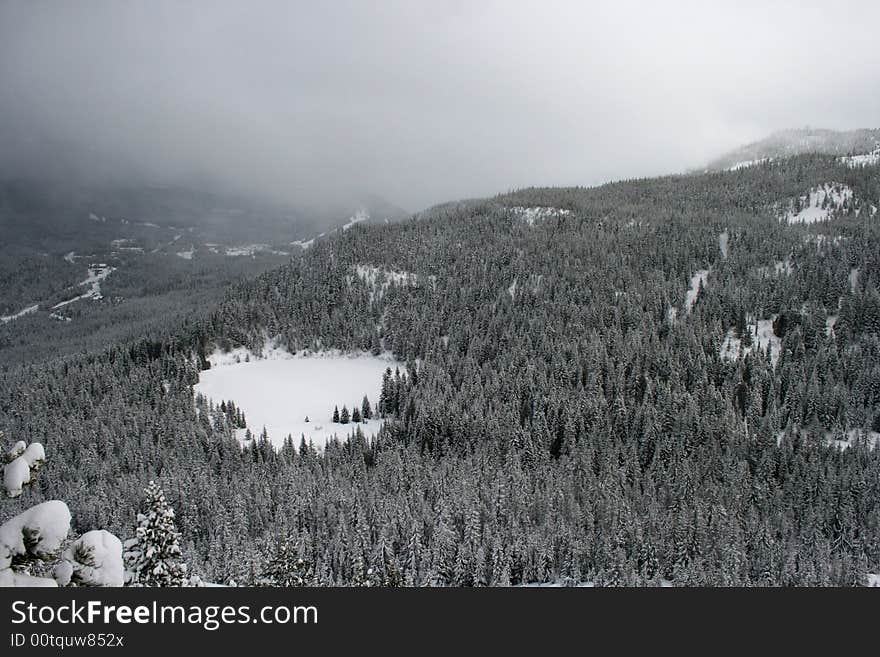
{"points": [[153, 556], [366, 410]]}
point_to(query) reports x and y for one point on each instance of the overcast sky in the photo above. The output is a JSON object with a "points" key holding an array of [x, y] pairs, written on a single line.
{"points": [[421, 102]]}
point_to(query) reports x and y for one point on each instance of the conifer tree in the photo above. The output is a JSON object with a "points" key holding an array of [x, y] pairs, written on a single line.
{"points": [[366, 410], [153, 556]]}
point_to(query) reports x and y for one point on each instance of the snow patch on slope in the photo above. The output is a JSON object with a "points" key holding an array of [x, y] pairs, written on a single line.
{"points": [[698, 279], [358, 217], [379, 279], [763, 336], [864, 160], [820, 204], [745, 164], [251, 249], [533, 215]]}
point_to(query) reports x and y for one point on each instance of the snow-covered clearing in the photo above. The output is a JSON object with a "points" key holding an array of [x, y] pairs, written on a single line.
{"points": [[303, 244], [722, 243], [533, 215], [251, 249], [853, 279], [871, 438], [358, 217], [19, 314], [280, 390], [732, 347], [698, 279], [823, 240], [188, 254], [864, 160], [379, 279], [97, 273], [820, 204], [749, 163]]}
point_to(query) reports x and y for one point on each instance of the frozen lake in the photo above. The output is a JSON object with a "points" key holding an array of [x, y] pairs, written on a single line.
{"points": [[281, 390]]}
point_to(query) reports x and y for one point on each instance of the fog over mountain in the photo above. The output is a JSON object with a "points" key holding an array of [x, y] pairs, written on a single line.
{"points": [[416, 102]]}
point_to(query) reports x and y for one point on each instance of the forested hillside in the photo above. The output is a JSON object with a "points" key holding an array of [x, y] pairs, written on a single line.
{"points": [[665, 380]]}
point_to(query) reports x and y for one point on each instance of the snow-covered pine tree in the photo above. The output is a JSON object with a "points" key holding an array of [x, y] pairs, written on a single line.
{"points": [[288, 568], [153, 556], [366, 410]]}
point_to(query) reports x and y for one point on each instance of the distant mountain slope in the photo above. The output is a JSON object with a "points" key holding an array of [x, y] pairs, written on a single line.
{"points": [[787, 143], [51, 214]]}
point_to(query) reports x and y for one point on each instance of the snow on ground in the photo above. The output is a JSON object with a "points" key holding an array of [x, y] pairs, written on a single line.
{"points": [[821, 204], [821, 240], [358, 217], [303, 244], [27, 311], [852, 436], [188, 254], [866, 159], [380, 279], [512, 289], [780, 267], [830, 323], [690, 298], [281, 389], [71, 257], [251, 249], [732, 347], [784, 267], [749, 163], [97, 273], [557, 584], [722, 243], [533, 215], [853, 279], [872, 579]]}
